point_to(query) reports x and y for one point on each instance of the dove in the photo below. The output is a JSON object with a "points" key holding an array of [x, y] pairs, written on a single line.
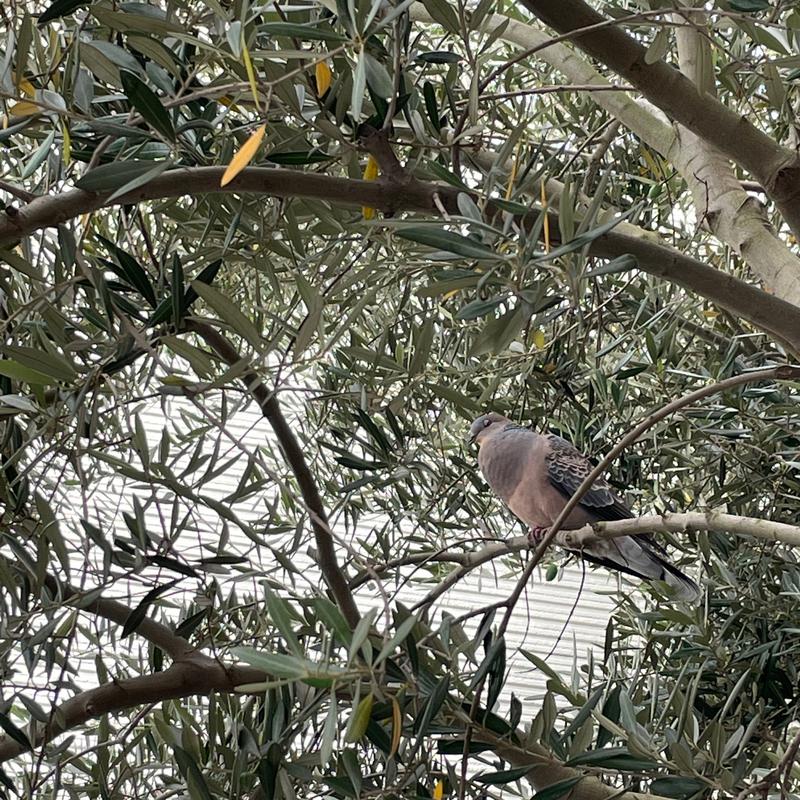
{"points": [[535, 475]]}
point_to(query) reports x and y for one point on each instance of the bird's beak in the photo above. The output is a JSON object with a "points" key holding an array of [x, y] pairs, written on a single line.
{"points": [[472, 438]]}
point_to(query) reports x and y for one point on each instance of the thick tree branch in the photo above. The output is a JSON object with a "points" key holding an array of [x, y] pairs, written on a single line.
{"points": [[198, 674], [776, 168], [160, 635], [779, 318], [50, 210], [730, 213], [271, 409]]}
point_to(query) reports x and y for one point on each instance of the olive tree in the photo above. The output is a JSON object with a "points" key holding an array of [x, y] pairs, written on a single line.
{"points": [[367, 222]]}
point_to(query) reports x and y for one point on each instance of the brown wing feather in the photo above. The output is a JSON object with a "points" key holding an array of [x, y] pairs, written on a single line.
{"points": [[567, 468]]}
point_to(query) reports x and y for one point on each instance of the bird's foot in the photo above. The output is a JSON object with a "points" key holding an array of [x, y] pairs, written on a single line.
{"points": [[536, 534]]}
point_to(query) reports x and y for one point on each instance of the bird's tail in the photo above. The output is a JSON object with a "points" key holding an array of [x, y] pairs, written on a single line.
{"points": [[641, 558], [685, 588]]}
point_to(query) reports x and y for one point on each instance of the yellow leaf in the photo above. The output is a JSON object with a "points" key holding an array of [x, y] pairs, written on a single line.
{"points": [[244, 156], [371, 170], [251, 73], [66, 148], [26, 87], [370, 174], [513, 176], [538, 338], [438, 790], [227, 101], [25, 109], [323, 75], [451, 293], [546, 221], [397, 726], [709, 314]]}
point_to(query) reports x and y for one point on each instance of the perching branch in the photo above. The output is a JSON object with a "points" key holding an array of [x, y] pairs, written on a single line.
{"points": [[675, 523], [775, 167], [779, 318], [271, 409], [768, 530]]}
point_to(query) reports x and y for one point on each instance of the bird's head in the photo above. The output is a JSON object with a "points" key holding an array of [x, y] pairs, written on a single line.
{"points": [[485, 425]]}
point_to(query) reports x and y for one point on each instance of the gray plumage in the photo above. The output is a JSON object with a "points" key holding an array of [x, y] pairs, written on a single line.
{"points": [[535, 475]]}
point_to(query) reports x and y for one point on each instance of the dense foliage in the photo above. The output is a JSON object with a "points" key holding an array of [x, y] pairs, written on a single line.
{"points": [[381, 333]]}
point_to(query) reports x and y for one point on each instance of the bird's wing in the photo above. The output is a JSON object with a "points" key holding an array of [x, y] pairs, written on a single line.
{"points": [[567, 468]]}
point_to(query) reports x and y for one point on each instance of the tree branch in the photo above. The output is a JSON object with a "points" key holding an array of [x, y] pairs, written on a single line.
{"points": [[768, 530], [160, 635], [271, 410], [776, 168], [780, 318], [198, 674], [721, 202], [731, 214]]}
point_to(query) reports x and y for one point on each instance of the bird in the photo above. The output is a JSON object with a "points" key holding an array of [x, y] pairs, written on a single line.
{"points": [[536, 474]]}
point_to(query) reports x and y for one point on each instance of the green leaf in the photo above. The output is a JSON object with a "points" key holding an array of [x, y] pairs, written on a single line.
{"points": [[503, 776], [449, 241], [623, 263], [18, 372], [228, 312], [278, 610], [431, 106], [298, 31], [557, 790], [378, 79], [195, 782], [130, 270], [360, 719], [111, 176], [141, 180], [403, 630], [14, 732], [616, 758], [585, 238], [431, 707], [298, 158], [478, 308], [658, 47], [359, 85], [676, 786], [443, 13], [137, 616], [61, 8], [284, 666], [332, 618], [58, 367], [146, 102], [439, 57], [748, 6]]}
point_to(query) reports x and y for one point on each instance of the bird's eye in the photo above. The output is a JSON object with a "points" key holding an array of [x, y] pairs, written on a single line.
{"points": [[487, 423]]}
